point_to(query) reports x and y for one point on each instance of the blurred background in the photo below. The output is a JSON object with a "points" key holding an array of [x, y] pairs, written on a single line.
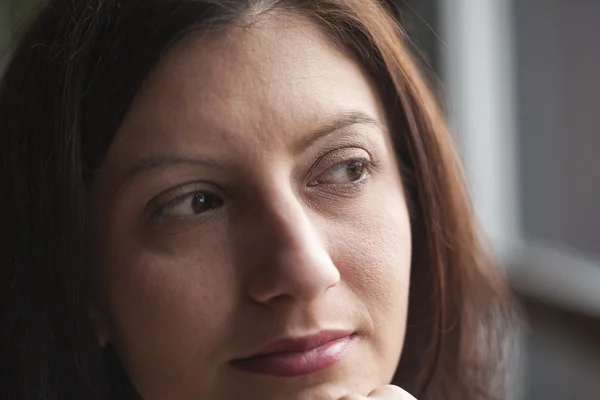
{"points": [[520, 83]]}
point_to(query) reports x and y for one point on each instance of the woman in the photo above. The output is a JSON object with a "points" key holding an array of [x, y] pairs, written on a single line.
{"points": [[235, 199]]}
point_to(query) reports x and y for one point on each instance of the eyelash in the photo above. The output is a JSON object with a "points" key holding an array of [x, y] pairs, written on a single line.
{"points": [[180, 196], [158, 213], [368, 165]]}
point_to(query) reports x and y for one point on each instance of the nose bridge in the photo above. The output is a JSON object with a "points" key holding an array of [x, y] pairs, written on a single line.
{"points": [[293, 261], [287, 221]]}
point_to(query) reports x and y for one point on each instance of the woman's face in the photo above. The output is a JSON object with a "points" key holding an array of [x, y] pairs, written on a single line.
{"points": [[254, 239]]}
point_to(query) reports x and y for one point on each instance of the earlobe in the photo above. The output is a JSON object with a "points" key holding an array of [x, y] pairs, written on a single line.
{"points": [[100, 326]]}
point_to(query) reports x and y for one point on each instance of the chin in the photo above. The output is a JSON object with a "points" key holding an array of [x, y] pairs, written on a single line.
{"points": [[324, 385], [327, 391]]}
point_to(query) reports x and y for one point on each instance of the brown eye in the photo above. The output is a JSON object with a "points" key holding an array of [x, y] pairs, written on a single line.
{"points": [[345, 172], [190, 205]]}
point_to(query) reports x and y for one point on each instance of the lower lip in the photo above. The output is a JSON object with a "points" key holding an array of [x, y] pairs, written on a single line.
{"points": [[298, 363]]}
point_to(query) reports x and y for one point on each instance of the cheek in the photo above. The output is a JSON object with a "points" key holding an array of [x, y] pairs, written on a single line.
{"points": [[163, 305], [376, 260]]}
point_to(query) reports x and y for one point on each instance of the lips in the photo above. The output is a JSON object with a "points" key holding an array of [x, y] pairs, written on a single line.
{"points": [[298, 356]]}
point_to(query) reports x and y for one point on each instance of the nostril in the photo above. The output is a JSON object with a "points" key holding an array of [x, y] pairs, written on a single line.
{"points": [[292, 261], [299, 276], [334, 278]]}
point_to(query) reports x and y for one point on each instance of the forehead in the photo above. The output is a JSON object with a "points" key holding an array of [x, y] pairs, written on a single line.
{"points": [[258, 86]]}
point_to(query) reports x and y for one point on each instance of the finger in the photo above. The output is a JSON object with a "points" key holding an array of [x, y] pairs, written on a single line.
{"points": [[390, 392]]}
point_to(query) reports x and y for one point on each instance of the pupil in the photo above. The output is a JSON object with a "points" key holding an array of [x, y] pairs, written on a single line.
{"points": [[203, 202], [355, 170]]}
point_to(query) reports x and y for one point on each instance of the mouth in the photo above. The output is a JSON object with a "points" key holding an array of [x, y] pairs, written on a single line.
{"points": [[298, 356]]}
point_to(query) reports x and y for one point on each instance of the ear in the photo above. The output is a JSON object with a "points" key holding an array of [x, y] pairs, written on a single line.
{"points": [[100, 324]]}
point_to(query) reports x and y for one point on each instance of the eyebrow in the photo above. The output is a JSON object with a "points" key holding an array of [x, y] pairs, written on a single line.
{"points": [[341, 122], [160, 160]]}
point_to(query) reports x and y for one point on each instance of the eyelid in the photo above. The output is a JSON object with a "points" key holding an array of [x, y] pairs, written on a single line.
{"points": [[179, 193], [334, 157]]}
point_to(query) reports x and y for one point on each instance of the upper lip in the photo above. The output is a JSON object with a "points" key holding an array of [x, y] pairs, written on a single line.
{"points": [[299, 344]]}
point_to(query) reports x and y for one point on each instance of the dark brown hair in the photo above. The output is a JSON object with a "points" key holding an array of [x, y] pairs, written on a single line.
{"points": [[68, 85]]}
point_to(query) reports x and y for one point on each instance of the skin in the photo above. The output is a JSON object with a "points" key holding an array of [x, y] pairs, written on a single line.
{"points": [[286, 136]]}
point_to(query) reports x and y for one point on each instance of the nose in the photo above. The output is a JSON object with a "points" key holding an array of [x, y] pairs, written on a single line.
{"points": [[291, 261]]}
